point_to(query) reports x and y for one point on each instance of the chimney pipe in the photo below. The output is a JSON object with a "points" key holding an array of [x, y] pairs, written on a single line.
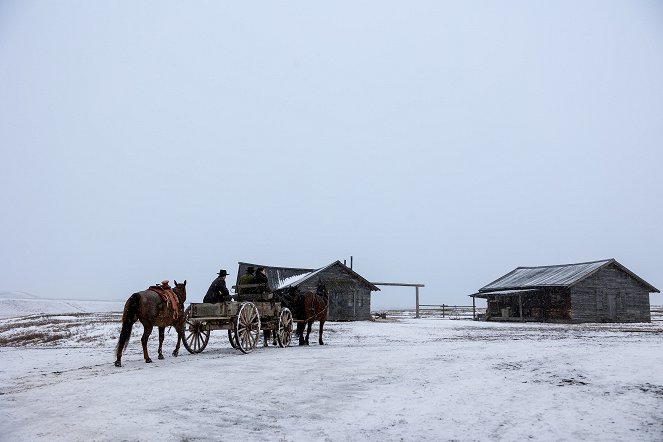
{"points": [[350, 261]]}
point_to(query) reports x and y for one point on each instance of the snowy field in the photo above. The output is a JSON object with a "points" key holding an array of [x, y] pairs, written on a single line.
{"points": [[396, 379]]}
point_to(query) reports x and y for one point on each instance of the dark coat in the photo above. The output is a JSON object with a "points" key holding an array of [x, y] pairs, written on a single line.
{"points": [[261, 279], [217, 292]]}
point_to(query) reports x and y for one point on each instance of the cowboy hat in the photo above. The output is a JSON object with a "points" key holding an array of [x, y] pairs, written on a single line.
{"points": [[223, 272]]}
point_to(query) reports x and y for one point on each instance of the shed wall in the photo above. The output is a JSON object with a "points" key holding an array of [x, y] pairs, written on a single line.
{"points": [[349, 299], [610, 295], [550, 304]]}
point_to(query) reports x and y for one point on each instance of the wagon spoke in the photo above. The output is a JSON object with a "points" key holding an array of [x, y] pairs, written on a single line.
{"points": [[247, 327]]}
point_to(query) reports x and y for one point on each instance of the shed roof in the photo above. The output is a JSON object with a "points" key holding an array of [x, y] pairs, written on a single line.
{"points": [[503, 293], [564, 275], [283, 277], [275, 275]]}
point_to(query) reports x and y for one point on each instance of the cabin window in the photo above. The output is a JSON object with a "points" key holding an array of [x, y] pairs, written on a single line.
{"points": [[351, 300], [358, 296]]}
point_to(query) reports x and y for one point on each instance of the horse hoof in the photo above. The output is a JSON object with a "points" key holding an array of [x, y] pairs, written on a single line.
{"points": [[118, 364], [322, 343], [175, 354], [148, 361], [160, 356]]}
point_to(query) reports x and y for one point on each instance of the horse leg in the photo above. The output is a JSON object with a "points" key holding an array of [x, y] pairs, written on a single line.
{"points": [[308, 331], [274, 338], [180, 338], [265, 334], [300, 332], [320, 333], [161, 335], [147, 331]]}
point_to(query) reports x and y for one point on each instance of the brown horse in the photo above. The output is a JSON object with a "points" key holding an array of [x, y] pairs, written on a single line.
{"points": [[148, 308], [311, 307]]}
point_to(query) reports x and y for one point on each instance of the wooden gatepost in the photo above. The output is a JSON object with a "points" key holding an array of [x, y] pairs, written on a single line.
{"points": [[400, 284]]}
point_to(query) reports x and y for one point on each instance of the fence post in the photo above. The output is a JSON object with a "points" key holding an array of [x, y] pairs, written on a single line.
{"points": [[417, 313], [443, 310]]}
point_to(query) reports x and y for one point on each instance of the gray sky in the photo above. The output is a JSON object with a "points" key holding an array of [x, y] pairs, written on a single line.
{"points": [[438, 142]]}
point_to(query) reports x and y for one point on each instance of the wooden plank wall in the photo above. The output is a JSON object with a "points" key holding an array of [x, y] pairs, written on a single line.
{"points": [[610, 295], [349, 298]]}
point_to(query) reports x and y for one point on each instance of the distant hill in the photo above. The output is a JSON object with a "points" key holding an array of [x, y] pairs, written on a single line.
{"points": [[17, 295], [14, 304]]}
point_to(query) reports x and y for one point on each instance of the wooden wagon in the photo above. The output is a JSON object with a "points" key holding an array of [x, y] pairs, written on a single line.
{"points": [[243, 320]]}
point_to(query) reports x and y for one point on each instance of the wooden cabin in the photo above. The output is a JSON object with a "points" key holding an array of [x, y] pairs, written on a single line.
{"points": [[349, 292], [599, 291]]}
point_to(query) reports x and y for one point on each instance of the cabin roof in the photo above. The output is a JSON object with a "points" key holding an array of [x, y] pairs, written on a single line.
{"points": [[284, 277], [564, 275]]}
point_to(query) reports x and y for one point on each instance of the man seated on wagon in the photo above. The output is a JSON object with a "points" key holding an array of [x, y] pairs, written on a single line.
{"points": [[262, 283], [247, 279], [217, 291]]}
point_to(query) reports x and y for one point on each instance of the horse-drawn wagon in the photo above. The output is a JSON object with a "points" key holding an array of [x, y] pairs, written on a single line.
{"points": [[243, 320]]}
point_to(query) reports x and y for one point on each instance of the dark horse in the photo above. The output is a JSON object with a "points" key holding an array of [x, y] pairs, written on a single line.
{"points": [[148, 308], [311, 307]]}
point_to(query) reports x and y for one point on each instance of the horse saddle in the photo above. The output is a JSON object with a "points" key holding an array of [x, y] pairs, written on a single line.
{"points": [[169, 297]]}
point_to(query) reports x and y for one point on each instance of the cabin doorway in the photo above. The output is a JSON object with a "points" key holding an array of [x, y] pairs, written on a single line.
{"points": [[612, 307]]}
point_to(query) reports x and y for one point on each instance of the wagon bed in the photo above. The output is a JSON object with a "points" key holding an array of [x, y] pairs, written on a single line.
{"points": [[242, 320]]}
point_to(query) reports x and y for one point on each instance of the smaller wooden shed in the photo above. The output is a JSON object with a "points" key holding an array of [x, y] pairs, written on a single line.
{"points": [[349, 292], [598, 291]]}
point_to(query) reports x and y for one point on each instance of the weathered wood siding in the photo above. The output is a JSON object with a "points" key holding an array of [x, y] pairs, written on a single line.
{"points": [[349, 298], [610, 295], [550, 304]]}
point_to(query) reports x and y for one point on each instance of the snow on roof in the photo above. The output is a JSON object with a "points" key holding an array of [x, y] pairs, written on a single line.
{"points": [[563, 275], [295, 280], [290, 281], [503, 292]]}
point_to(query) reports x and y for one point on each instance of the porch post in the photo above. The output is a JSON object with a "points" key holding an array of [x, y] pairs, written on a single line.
{"points": [[520, 304], [417, 312]]}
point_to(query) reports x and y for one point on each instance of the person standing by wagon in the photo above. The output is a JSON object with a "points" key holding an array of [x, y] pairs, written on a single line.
{"points": [[218, 292]]}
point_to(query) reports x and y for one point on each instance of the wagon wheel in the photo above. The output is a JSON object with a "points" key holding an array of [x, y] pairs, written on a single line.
{"points": [[247, 327], [195, 338], [232, 337], [285, 328]]}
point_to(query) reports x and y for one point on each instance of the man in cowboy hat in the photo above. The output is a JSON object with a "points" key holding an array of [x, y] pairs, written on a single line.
{"points": [[262, 281], [217, 291]]}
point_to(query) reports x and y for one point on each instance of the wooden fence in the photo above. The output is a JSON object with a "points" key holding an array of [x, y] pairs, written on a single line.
{"points": [[468, 312], [450, 311]]}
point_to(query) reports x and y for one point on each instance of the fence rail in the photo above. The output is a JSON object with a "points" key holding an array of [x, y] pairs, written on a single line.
{"points": [[450, 311], [470, 312]]}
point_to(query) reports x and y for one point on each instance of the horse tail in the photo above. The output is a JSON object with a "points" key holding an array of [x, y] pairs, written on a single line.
{"points": [[129, 316]]}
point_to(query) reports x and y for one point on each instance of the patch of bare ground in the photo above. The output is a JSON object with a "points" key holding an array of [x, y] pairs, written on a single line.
{"points": [[52, 330], [34, 338]]}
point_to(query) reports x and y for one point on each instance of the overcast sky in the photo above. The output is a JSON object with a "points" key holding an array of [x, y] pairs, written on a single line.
{"points": [[442, 143]]}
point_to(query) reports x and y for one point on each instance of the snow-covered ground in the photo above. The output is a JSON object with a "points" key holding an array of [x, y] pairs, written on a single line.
{"points": [[399, 379], [14, 304]]}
